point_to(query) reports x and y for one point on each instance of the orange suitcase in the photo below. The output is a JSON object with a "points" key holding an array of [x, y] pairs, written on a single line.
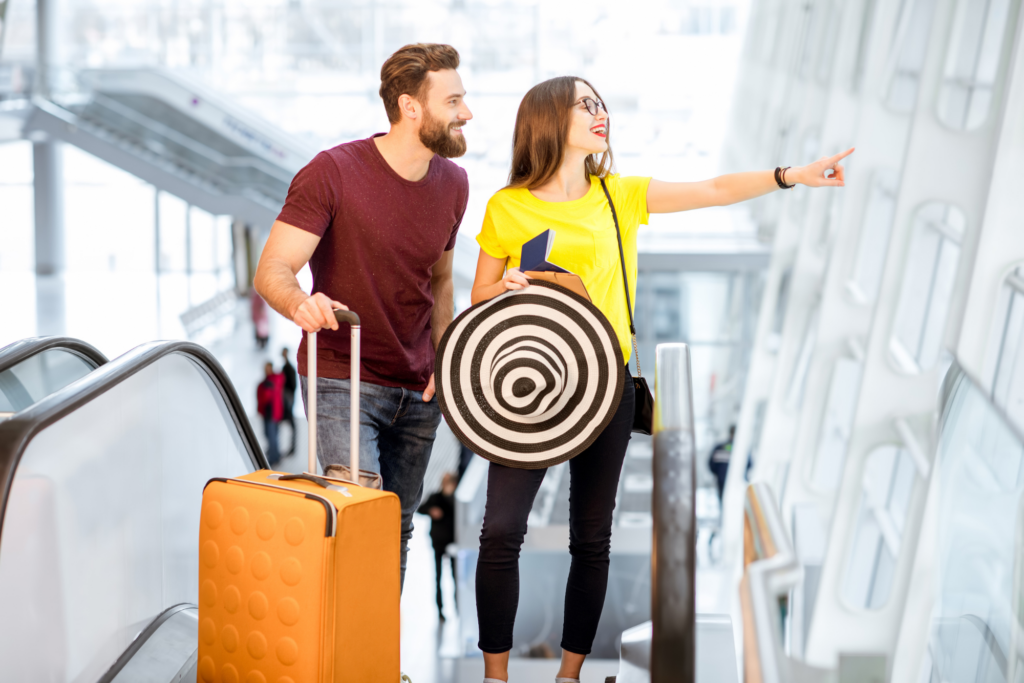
{"points": [[299, 577]]}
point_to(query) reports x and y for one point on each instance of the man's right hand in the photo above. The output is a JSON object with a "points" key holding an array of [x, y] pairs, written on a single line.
{"points": [[317, 313]]}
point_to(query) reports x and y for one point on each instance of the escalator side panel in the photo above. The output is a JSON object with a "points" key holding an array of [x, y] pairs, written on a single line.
{"points": [[100, 531]]}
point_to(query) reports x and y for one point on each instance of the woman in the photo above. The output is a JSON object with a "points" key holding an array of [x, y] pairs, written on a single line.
{"points": [[560, 155]]}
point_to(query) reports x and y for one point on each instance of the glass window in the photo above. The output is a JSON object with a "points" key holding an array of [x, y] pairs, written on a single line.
{"points": [[927, 286], [798, 380], [1007, 379], [976, 598], [874, 236], [810, 39], [38, 376], [972, 62], [867, 22], [831, 24], [910, 44], [781, 304], [837, 423], [889, 476]]}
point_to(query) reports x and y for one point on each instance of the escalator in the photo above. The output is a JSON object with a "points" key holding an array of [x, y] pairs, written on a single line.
{"points": [[33, 368], [102, 482], [174, 133]]}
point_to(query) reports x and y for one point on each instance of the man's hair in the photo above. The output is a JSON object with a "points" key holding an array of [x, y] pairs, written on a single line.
{"points": [[405, 73]]}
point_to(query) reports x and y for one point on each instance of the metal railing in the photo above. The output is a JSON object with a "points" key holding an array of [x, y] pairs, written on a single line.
{"points": [[673, 562]]}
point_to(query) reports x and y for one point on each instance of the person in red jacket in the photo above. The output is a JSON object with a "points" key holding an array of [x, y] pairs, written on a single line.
{"points": [[270, 403]]}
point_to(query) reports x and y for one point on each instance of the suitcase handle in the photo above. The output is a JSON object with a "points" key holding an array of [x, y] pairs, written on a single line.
{"points": [[342, 316], [305, 476]]}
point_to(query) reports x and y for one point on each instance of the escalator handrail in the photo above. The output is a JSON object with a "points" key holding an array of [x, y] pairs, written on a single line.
{"points": [[142, 639], [673, 507], [17, 432], [12, 354]]}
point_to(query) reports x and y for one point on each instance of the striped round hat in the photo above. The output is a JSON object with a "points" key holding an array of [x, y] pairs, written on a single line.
{"points": [[530, 378]]}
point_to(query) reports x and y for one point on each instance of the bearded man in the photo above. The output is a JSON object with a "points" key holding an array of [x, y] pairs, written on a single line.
{"points": [[376, 220]]}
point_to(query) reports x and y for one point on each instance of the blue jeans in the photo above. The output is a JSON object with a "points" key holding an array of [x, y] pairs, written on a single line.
{"points": [[273, 450], [396, 435]]}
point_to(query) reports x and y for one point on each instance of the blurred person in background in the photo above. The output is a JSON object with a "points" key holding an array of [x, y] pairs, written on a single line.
{"points": [[291, 383], [561, 179], [440, 506], [718, 461], [260, 320], [376, 220], [269, 403]]}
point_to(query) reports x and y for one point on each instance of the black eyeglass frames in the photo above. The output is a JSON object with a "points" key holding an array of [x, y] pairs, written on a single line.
{"points": [[593, 105]]}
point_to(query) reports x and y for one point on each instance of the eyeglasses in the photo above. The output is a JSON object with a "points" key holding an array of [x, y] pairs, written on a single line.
{"points": [[593, 105]]}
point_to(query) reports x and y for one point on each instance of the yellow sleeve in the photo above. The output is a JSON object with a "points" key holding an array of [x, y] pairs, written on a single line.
{"points": [[631, 196], [488, 237]]}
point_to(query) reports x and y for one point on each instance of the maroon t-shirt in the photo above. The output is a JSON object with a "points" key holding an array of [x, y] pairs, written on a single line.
{"points": [[380, 238]]}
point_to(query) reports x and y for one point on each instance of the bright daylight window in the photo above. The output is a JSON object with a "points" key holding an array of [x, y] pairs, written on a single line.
{"points": [[874, 237], [889, 476], [798, 378], [867, 20], [774, 338], [837, 423], [927, 286], [1007, 357], [910, 44], [973, 62]]}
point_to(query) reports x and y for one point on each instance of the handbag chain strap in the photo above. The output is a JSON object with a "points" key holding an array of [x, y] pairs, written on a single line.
{"points": [[625, 283]]}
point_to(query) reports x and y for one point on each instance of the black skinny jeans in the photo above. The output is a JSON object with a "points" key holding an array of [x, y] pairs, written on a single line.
{"points": [[594, 479]]}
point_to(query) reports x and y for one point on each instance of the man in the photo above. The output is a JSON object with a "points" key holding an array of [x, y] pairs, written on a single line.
{"points": [[441, 508], [718, 461], [291, 383], [376, 219], [269, 405]]}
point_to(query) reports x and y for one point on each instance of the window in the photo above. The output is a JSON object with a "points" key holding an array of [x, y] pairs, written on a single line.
{"points": [[889, 476], [837, 423], [874, 237], [972, 62], [910, 44], [927, 286], [798, 380], [829, 40], [867, 21], [830, 226], [1006, 359], [774, 338]]}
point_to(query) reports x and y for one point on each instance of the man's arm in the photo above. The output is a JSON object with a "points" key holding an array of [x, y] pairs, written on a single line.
{"points": [[288, 249], [443, 289]]}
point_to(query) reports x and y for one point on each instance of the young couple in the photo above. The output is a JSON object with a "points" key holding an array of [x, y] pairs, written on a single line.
{"points": [[376, 220]]}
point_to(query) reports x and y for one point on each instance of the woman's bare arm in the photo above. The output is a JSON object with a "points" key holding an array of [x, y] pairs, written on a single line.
{"points": [[665, 197], [492, 280]]}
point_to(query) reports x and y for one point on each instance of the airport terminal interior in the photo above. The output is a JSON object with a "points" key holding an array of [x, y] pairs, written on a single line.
{"points": [[850, 352]]}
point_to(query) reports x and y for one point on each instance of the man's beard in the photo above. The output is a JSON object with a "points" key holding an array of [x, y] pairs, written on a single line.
{"points": [[436, 136]]}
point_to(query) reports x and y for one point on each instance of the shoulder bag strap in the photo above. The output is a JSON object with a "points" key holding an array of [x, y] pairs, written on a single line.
{"points": [[625, 282]]}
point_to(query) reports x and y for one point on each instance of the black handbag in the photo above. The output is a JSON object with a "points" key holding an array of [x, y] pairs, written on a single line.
{"points": [[643, 407]]}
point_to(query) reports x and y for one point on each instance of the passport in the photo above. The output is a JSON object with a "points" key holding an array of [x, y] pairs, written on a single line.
{"points": [[535, 254]]}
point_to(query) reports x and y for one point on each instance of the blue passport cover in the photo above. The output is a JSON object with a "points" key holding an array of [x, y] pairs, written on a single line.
{"points": [[535, 254]]}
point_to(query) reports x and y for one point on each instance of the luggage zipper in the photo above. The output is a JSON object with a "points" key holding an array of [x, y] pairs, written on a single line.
{"points": [[332, 512]]}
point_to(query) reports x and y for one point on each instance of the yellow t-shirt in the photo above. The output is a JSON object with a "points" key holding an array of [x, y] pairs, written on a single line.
{"points": [[584, 238]]}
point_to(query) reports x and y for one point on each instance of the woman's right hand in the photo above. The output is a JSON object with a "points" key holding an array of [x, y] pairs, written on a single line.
{"points": [[493, 280], [514, 279]]}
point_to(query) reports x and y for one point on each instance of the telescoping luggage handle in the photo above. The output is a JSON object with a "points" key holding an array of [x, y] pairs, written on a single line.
{"points": [[352, 319]]}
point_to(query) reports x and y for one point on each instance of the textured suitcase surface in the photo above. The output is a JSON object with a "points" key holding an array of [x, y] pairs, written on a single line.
{"points": [[297, 582]]}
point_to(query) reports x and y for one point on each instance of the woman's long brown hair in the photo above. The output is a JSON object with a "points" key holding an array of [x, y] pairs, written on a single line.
{"points": [[542, 131]]}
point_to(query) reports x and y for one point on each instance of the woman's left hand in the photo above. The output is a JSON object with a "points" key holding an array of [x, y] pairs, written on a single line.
{"points": [[825, 172]]}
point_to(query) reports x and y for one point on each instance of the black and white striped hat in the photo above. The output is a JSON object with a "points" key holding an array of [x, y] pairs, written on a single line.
{"points": [[530, 378]]}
